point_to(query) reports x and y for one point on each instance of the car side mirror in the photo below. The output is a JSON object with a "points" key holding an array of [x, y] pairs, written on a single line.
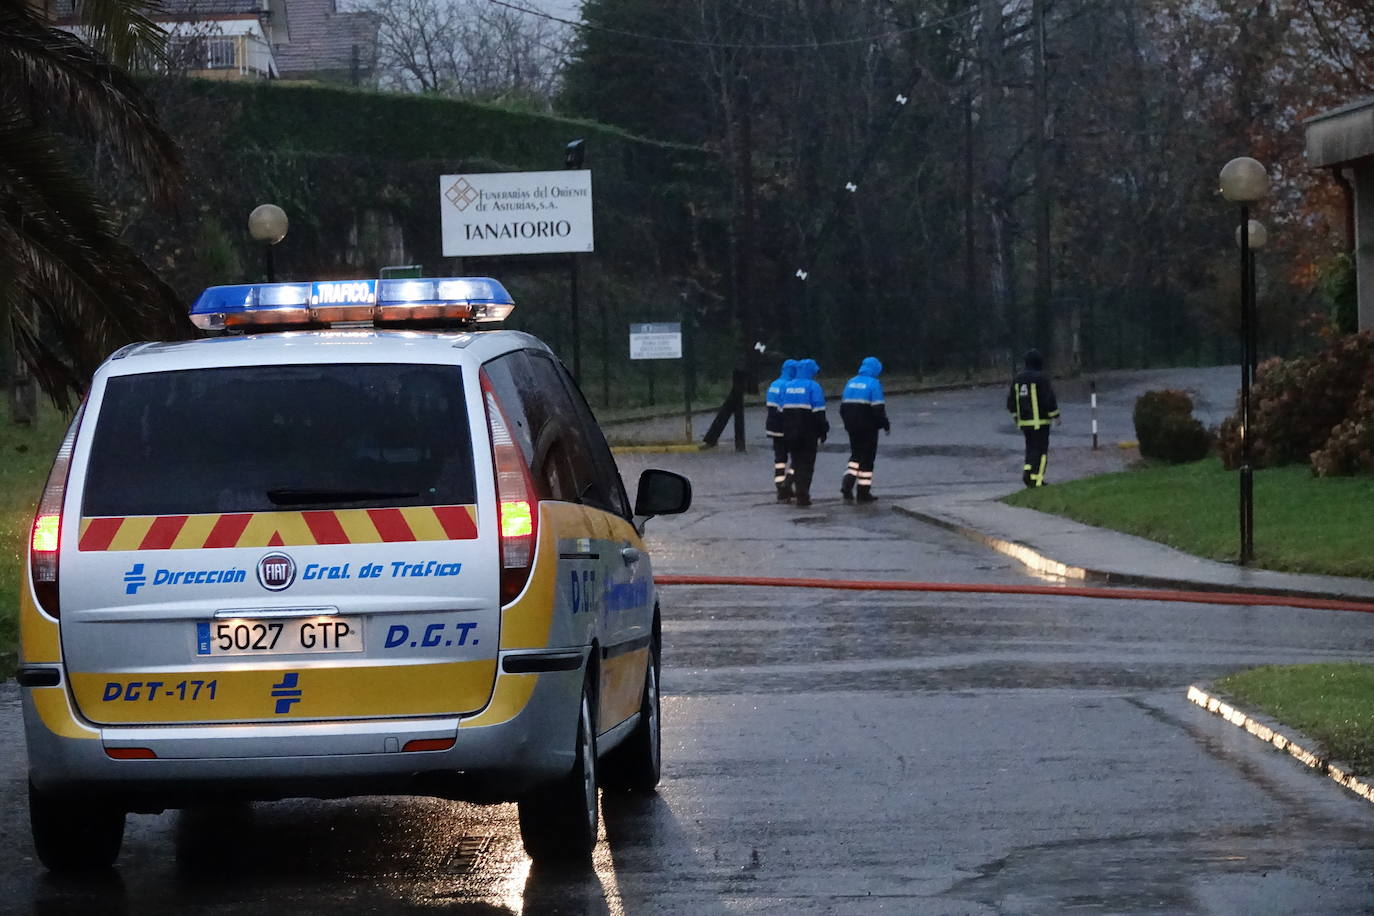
{"points": [[662, 493]]}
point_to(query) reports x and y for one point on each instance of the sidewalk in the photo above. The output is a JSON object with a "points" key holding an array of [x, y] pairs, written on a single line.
{"points": [[1061, 547]]}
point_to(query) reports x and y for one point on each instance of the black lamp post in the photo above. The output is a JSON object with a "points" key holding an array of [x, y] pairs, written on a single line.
{"points": [[1244, 181], [1255, 238], [268, 224], [573, 155]]}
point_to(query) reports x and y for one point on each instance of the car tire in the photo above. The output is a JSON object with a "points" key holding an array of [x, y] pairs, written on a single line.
{"points": [[635, 765], [559, 823], [74, 835]]}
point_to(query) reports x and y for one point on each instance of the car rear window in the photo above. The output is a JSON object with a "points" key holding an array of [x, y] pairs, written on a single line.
{"points": [[278, 438]]}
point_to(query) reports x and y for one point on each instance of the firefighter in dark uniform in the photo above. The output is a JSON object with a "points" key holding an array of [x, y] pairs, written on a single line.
{"points": [[1033, 406], [864, 412], [782, 475], [804, 426]]}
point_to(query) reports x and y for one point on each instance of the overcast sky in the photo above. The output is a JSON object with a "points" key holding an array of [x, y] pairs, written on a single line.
{"points": [[566, 9]]}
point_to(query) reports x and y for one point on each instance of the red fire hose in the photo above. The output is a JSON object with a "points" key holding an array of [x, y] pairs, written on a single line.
{"points": [[1076, 591]]}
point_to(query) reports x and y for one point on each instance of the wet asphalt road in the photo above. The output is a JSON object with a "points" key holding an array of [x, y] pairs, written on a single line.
{"points": [[845, 752]]}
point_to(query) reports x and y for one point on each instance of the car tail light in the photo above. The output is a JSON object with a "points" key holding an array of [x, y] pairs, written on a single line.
{"points": [[130, 753], [517, 504], [45, 541], [429, 744]]}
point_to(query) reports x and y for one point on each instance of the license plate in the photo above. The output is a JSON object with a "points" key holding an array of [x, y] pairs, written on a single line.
{"points": [[294, 636]]}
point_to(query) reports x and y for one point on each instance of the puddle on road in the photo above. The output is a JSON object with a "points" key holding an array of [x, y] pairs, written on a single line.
{"points": [[1238, 871]]}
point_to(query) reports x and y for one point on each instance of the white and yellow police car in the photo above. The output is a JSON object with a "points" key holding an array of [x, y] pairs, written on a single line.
{"points": [[376, 550]]}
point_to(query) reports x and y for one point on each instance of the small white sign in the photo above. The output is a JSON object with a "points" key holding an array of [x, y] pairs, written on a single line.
{"points": [[498, 213], [656, 341]]}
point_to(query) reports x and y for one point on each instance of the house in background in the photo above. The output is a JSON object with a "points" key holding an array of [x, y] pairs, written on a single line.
{"points": [[223, 39], [324, 45], [305, 40], [1343, 141]]}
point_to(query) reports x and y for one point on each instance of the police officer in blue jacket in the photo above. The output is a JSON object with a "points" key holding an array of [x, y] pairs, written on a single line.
{"points": [[864, 412], [782, 476], [804, 426]]}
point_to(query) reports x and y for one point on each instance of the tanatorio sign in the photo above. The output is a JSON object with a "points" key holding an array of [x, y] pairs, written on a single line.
{"points": [[498, 213]]}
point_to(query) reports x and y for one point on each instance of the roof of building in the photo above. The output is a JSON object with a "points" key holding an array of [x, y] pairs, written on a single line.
{"points": [[184, 9], [1342, 136], [322, 38]]}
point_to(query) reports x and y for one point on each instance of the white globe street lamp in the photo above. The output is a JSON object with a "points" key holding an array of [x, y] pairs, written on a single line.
{"points": [[1244, 180], [268, 224], [1259, 236]]}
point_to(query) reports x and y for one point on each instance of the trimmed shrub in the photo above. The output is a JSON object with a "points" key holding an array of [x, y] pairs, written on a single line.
{"points": [[1297, 405], [1166, 429], [1336, 285], [1350, 448]]}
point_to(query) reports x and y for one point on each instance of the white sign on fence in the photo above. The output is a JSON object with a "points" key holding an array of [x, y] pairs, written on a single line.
{"points": [[656, 341], [498, 213]]}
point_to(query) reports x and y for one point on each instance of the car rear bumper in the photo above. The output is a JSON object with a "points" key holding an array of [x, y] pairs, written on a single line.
{"points": [[523, 738]]}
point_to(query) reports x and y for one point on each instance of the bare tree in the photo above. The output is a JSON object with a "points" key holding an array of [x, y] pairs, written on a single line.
{"points": [[469, 49]]}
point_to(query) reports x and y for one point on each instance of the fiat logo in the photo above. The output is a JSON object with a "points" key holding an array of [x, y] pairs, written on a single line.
{"points": [[276, 571]]}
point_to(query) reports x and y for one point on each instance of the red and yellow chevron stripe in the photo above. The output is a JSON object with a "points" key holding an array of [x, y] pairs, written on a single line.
{"points": [[279, 529]]}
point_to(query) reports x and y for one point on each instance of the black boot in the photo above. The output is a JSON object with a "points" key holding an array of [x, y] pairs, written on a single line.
{"points": [[866, 495], [847, 487]]}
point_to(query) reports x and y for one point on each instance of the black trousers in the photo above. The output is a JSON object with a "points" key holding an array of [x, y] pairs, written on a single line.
{"points": [[1037, 455], [863, 451], [803, 468], [781, 472]]}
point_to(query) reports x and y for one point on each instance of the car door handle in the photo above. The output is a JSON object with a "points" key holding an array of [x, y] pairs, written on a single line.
{"points": [[631, 555]]}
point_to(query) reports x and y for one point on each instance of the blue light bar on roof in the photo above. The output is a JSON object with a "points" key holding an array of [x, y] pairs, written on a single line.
{"points": [[322, 303]]}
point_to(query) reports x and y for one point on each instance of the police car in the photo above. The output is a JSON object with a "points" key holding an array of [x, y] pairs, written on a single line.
{"points": [[352, 544]]}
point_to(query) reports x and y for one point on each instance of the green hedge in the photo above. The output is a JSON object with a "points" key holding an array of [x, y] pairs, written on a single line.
{"points": [[356, 169], [326, 120]]}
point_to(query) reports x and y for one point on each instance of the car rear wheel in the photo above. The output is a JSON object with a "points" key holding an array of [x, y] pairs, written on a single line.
{"points": [[559, 822], [74, 835], [634, 766]]}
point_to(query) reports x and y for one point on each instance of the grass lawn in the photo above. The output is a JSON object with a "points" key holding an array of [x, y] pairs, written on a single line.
{"points": [[26, 454], [1331, 703], [1302, 523]]}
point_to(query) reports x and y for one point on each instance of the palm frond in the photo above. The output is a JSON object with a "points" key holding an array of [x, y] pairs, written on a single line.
{"points": [[48, 70], [122, 30], [71, 275]]}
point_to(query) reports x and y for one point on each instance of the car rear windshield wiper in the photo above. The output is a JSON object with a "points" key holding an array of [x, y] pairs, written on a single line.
{"points": [[301, 496]]}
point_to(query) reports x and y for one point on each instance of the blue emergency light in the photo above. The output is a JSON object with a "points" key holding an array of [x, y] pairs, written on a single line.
{"points": [[333, 303]]}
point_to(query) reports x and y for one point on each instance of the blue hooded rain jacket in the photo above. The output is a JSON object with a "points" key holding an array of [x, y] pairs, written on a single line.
{"points": [[803, 407], [774, 397], [862, 406]]}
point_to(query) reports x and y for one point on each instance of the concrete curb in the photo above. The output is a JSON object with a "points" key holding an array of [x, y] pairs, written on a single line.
{"points": [[1036, 561], [1265, 733], [1026, 555]]}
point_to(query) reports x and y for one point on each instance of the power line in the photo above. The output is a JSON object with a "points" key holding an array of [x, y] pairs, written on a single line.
{"points": [[744, 46]]}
